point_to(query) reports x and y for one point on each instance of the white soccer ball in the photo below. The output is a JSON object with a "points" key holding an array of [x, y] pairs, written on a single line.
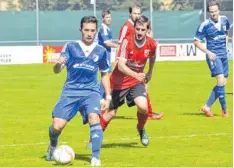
{"points": [[64, 154]]}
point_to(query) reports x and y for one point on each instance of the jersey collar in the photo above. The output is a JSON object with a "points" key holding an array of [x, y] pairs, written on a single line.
{"points": [[216, 24], [104, 25], [86, 49], [140, 45]]}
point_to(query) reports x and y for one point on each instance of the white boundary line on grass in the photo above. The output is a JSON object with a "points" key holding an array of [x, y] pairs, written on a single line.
{"points": [[124, 139], [169, 137], [29, 144]]}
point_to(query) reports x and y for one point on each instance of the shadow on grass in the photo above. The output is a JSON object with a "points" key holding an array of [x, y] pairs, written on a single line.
{"points": [[122, 145], [84, 157], [197, 114], [229, 93], [125, 117]]}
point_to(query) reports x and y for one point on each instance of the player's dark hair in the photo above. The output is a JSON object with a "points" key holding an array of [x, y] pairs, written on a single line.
{"points": [[142, 20], [105, 12], [134, 6], [212, 3], [88, 19]]}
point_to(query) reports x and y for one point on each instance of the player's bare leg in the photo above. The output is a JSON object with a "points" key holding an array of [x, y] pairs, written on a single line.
{"points": [[152, 115]]}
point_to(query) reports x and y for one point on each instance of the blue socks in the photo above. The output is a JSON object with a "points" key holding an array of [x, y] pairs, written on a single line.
{"points": [[96, 136], [217, 92], [221, 95], [213, 97], [53, 136]]}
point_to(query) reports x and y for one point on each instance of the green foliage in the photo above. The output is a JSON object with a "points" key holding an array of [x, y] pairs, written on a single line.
{"points": [[181, 5]]}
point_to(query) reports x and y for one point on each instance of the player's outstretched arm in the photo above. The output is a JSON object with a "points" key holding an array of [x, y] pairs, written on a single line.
{"points": [[151, 67], [110, 44], [106, 84], [227, 39], [60, 63], [199, 45]]}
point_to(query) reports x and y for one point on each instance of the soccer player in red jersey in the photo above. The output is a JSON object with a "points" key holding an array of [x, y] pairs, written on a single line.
{"points": [[128, 78], [128, 30]]}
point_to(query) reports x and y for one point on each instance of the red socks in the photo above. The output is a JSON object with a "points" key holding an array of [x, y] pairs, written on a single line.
{"points": [[103, 122], [149, 113], [142, 118]]}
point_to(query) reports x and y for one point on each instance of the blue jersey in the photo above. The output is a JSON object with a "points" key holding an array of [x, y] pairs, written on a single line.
{"points": [[83, 63], [215, 35], [104, 35]]}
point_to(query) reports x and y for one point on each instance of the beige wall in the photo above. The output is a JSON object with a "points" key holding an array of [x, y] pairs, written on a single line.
{"points": [[3, 5], [165, 4]]}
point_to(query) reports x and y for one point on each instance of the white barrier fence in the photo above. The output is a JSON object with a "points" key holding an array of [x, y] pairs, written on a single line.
{"points": [[21, 55], [47, 54]]}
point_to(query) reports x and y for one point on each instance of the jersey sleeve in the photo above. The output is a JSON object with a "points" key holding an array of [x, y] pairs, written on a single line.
{"points": [[103, 34], [231, 30], [65, 52], [123, 33], [201, 32], [123, 50], [104, 64], [227, 25]]}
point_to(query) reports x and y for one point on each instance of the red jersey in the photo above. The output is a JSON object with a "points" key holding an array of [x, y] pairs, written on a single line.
{"points": [[126, 30], [136, 56]]}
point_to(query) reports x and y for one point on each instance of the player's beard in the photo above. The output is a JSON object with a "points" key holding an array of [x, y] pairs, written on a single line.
{"points": [[139, 37], [140, 40]]}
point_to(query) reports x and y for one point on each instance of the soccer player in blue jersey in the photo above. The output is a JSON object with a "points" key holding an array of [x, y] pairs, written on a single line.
{"points": [[215, 31], [105, 39], [81, 91]]}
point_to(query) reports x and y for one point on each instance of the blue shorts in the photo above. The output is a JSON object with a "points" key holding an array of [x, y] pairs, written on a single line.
{"points": [[218, 66], [67, 106]]}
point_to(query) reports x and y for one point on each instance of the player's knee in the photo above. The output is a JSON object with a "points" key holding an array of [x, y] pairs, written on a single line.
{"points": [[93, 118], [59, 124], [225, 81], [221, 80], [57, 127], [143, 108]]}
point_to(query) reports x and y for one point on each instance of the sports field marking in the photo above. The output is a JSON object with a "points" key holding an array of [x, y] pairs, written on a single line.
{"points": [[170, 137], [125, 139], [29, 144]]}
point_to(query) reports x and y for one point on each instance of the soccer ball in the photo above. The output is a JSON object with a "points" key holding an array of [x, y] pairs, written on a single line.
{"points": [[63, 154]]}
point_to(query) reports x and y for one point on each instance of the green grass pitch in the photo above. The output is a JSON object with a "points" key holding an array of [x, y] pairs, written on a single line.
{"points": [[184, 137]]}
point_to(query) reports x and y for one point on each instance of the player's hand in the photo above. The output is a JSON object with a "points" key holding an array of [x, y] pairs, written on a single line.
{"points": [[61, 60], [211, 56], [105, 104], [148, 77], [140, 77]]}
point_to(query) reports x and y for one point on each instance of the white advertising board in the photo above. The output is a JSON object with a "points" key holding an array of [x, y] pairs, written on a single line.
{"points": [[21, 54], [175, 52], [179, 52]]}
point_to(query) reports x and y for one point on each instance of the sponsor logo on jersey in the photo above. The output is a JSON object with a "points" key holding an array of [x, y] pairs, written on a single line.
{"points": [[84, 66], [95, 57], [146, 52], [220, 37]]}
